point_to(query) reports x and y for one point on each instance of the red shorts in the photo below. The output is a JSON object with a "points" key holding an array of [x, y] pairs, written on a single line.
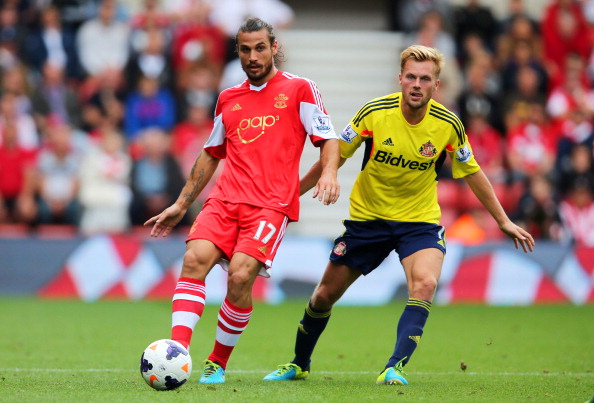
{"points": [[233, 228]]}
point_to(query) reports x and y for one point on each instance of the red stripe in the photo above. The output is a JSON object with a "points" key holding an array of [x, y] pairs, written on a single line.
{"points": [[470, 283]]}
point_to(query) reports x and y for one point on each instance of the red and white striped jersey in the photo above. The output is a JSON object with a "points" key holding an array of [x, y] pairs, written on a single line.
{"points": [[261, 132]]}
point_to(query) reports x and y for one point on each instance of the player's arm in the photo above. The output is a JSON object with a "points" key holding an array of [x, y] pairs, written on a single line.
{"points": [[481, 187], [322, 176], [201, 173]]}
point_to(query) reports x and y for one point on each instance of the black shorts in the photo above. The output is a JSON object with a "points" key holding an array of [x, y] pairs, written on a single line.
{"points": [[365, 244]]}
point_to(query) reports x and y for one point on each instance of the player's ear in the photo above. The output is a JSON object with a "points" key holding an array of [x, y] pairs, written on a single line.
{"points": [[274, 48]]}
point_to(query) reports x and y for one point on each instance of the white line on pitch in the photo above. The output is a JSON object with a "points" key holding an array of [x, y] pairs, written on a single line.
{"points": [[316, 372]]}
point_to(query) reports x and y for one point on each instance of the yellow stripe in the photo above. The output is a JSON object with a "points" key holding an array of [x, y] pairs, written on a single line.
{"points": [[317, 314], [419, 302]]}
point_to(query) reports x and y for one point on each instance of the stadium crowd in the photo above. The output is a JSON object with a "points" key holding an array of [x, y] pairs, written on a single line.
{"points": [[105, 104]]}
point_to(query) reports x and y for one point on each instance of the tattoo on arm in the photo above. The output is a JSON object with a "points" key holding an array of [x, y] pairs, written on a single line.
{"points": [[197, 181]]}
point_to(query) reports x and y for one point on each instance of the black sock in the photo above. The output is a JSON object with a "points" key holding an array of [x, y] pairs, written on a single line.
{"points": [[410, 330], [310, 328]]}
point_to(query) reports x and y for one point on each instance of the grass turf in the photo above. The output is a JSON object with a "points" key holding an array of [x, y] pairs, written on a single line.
{"points": [[71, 351]]}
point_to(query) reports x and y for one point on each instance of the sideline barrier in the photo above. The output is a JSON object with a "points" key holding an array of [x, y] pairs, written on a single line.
{"points": [[134, 267]]}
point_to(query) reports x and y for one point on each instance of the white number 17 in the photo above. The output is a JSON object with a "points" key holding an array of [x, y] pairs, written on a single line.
{"points": [[264, 224]]}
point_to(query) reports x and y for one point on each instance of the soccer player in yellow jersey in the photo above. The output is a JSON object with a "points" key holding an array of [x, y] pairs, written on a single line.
{"points": [[393, 206]]}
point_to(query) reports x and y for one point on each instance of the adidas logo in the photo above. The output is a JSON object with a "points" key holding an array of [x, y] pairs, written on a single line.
{"points": [[388, 142], [416, 339], [236, 107]]}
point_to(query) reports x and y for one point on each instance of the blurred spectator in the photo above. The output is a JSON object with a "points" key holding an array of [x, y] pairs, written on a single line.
{"points": [[480, 95], [520, 29], [150, 16], [197, 40], [50, 43], [475, 19], [526, 92], [15, 81], [156, 177], [516, 9], [405, 15], [578, 168], [150, 57], [12, 34], [564, 31], [577, 214], [531, 143], [576, 129], [58, 167], [431, 33], [196, 86], [230, 14], [522, 55], [537, 210], [104, 186], [105, 105], [26, 132], [53, 97], [150, 105], [102, 42], [572, 92], [488, 147], [190, 135], [17, 186], [75, 12]]}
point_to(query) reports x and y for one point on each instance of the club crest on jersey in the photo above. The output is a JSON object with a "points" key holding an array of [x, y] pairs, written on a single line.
{"points": [[348, 134], [463, 153], [281, 101], [322, 124], [428, 150], [339, 249]]}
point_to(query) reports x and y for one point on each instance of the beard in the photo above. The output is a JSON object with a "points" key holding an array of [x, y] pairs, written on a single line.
{"points": [[258, 76]]}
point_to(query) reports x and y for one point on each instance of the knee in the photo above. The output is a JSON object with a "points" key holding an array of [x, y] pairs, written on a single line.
{"points": [[324, 297], [195, 265], [238, 281], [423, 287]]}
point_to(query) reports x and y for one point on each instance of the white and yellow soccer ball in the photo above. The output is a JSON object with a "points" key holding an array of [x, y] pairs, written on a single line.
{"points": [[165, 365]]}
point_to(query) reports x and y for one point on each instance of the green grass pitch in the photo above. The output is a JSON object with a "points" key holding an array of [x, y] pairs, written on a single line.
{"points": [[71, 351]]}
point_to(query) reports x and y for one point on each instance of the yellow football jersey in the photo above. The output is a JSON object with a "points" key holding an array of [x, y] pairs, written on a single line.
{"points": [[398, 181]]}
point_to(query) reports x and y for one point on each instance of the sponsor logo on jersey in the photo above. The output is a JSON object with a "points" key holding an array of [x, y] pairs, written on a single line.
{"points": [[348, 134], [428, 150], [322, 124], [463, 153], [388, 142], [236, 107], [258, 124], [262, 249], [387, 158], [339, 249], [281, 101]]}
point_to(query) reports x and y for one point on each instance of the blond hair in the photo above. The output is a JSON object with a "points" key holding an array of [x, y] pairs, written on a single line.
{"points": [[421, 53]]}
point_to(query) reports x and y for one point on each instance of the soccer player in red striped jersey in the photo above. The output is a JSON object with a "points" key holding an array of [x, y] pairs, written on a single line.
{"points": [[260, 129]]}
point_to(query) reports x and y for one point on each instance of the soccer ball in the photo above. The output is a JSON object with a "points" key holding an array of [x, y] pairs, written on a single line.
{"points": [[165, 365]]}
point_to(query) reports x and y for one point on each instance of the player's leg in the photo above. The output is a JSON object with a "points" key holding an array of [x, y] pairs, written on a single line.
{"points": [[234, 315], [190, 293], [336, 280], [261, 233], [422, 269], [211, 238]]}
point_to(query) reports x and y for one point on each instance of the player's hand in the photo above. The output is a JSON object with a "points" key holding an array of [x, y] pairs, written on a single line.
{"points": [[163, 223], [520, 236], [327, 190]]}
